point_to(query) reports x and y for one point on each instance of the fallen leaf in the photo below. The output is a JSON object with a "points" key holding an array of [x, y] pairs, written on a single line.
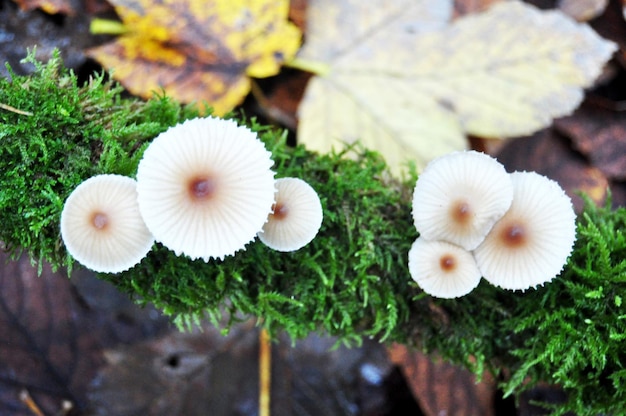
{"points": [[549, 153], [19, 31], [583, 10], [48, 6], [297, 13], [204, 372], [199, 50], [611, 25], [411, 91], [356, 100], [600, 135], [53, 337], [443, 388]]}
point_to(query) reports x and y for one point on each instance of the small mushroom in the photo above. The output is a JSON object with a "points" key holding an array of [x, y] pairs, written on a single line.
{"points": [[530, 244], [442, 269], [296, 216], [101, 226], [205, 187], [459, 197]]}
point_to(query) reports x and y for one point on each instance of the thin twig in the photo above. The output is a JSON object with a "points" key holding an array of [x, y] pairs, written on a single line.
{"points": [[15, 110], [30, 403], [265, 372]]}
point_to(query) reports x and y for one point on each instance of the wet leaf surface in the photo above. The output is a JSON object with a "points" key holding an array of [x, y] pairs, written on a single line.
{"points": [[443, 388], [23, 30], [53, 336], [600, 135], [80, 341], [206, 373]]}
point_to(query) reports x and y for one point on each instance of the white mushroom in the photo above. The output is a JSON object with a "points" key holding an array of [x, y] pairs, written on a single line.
{"points": [[459, 197], [530, 244], [296, 217], [443, 269], [205, 187], [101, 226]]}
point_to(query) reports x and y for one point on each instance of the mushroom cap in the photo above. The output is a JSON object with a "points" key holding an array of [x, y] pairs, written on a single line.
{"points": [[530, 244], [296, 217], [101, 226], [442, 269], [205, 187], [459, 197]]}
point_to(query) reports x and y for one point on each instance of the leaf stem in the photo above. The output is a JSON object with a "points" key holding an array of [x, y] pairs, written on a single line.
{"points": [[315, 67], [107, 27]]}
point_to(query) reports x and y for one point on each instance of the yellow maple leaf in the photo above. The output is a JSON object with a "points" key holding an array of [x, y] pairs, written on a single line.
{"points": [[199, 50], [409, 84]]}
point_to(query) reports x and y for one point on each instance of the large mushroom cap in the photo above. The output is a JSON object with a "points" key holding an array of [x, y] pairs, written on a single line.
{"points": [[205, 187], [442, 269], [101, 226], [530, 244], [296, 217], [459, 197]]}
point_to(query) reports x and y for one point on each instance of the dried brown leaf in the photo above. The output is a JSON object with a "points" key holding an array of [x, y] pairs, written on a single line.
{"points": [[206, 373], [600, 135], [53, 336], [443, 388], [551, 154], [49, 6]]}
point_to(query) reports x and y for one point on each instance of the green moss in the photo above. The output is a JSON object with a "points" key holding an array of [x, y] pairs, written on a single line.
{"points": [[572, 331], [73, 132], [351, 281]]}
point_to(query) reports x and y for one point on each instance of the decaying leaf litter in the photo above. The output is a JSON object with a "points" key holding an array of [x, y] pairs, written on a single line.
{"points": [[78, 344]]}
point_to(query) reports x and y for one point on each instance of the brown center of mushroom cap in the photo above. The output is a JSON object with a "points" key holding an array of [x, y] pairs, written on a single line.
{"points": [[280, 211], [100, 220], [202, 188], [461, 212], [447, 262], [514, 235]]}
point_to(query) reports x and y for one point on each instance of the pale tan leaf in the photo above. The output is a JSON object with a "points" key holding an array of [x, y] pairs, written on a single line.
{"points": [[382, 114], [412, 93], [512, 70], [355, 101], [336, 28]]}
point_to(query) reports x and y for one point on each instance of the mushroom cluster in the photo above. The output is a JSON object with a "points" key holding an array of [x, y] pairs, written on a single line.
{"points": [[204, 189], [516, 230]]}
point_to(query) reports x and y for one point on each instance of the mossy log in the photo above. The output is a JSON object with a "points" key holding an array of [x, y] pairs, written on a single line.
{"points": [[351, 282]]}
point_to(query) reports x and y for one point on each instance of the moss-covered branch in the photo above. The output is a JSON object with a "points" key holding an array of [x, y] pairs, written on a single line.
{"points": [[351, 281]]}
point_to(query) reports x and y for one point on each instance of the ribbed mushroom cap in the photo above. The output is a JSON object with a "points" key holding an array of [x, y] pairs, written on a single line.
{"points": [[459, 197], [101, 226], [530, 244], [296, 217], [442, 269], [205, 187]]}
